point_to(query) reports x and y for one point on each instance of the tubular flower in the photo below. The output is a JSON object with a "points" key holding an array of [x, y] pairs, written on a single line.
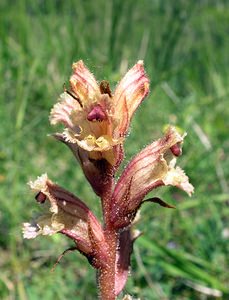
{"points": [[154, 166], [67, 215], [94, 119]]}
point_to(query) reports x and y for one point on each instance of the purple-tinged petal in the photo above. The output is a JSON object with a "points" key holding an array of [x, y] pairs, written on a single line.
{"points": [[130, 92], [83, 83]]}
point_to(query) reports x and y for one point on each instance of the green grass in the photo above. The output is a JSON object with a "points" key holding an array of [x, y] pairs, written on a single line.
{"points": [[185, 46]]}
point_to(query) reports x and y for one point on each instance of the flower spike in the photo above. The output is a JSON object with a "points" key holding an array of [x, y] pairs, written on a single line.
{"points": [[96, 122]]}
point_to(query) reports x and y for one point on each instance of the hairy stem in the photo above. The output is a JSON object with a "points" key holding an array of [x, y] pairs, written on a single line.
{"points": [[107, 274], [106, 199]]}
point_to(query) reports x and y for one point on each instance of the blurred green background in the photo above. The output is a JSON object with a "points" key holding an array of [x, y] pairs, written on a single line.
{"points": [[183, 253]]}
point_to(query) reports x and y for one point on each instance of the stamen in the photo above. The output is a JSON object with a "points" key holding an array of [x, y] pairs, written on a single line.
{"points": [[97, 114], [40, 197], [105, 87], [176, 149]]}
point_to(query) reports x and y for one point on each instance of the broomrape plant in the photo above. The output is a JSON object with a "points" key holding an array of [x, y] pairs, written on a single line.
{"points": [[96, 122]]}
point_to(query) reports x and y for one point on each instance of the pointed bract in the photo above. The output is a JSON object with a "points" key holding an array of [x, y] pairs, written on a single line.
{"points": [[125, 249]]}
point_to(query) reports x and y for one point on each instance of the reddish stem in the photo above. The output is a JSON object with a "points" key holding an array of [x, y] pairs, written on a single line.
{"points": [[106, 275]]}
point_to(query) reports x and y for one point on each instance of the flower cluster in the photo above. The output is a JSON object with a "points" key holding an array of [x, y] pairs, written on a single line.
{"points": [[96, 122]]}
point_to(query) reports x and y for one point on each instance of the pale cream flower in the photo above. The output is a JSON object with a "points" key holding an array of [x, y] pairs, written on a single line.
{"points": [[95, 119]]}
